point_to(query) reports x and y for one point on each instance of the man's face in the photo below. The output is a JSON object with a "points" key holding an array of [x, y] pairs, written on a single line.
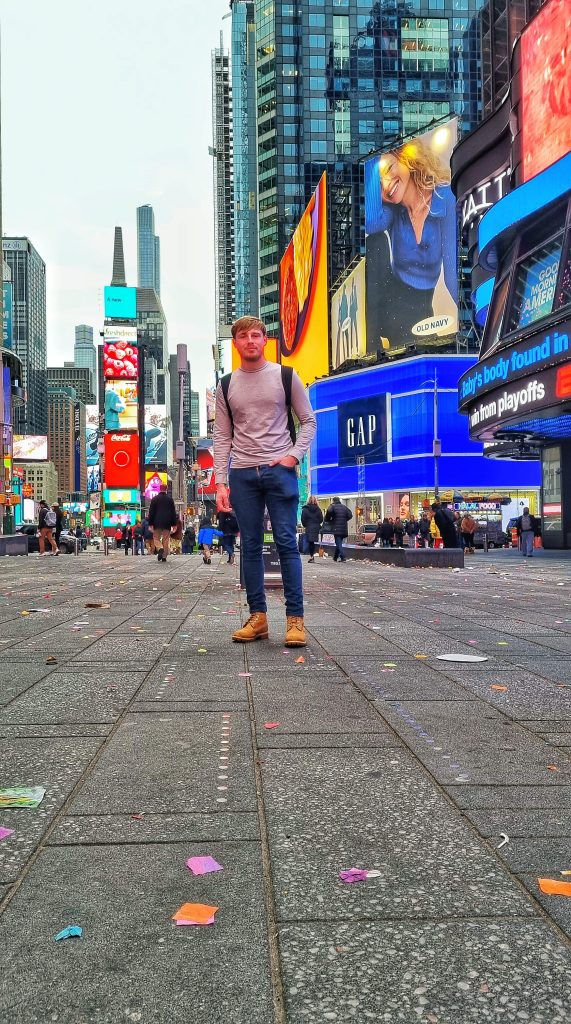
{"points": [[250, 344]]}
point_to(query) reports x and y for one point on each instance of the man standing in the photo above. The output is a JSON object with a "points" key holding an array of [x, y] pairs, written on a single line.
{"points": [[253, 431], [444, 520], [337, 516], [59, 522], [46, 523], [527, 528], [162, 517]]}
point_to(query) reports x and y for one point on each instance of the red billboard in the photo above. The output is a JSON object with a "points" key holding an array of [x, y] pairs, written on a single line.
{"points": [[546, 88], [121, 459]]}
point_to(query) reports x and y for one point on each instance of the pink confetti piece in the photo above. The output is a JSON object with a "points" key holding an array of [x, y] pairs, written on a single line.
{"points": [[203, 865], [196, 924], [271, 725], [5, 832], [245, 675], [353, 875]]}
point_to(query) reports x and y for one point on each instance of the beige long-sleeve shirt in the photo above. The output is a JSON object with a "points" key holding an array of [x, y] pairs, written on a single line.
{"points": [[261, 432]]}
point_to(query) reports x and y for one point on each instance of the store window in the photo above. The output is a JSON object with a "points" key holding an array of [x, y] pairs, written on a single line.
{"points": [[535, 282], [551, 481]]}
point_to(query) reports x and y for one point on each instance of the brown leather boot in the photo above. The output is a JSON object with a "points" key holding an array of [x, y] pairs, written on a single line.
{"points": [[295, 631], [256, 628]]}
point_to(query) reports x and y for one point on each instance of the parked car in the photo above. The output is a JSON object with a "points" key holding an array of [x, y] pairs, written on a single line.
{"points": [[366, 534], [497, 538], [66, 543]]}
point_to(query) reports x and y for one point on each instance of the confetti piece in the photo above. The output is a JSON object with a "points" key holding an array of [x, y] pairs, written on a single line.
{"points": [[566, 872], [505, 839], [195, 913], [203, 865], [503, 643], [419, 657], [552, 887], [353, 875], [245, 675], [553, 768], [390, 664], [5, 832], [73, 931], [498, 686], [137, 817], [51, 661], [300, 661], [271, 725], [461, 657], [202, 650], [22, 796]]}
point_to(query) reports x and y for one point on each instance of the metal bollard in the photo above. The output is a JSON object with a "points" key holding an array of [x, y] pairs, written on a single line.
{"points": [[106, 545], [77, 543], [485, 542]]}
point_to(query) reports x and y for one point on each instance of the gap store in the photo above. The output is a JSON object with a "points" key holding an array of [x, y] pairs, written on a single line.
{"points": [[375, 441]]}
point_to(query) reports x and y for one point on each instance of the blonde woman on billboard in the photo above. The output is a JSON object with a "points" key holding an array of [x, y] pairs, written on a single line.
{"points": [[410, 219]]}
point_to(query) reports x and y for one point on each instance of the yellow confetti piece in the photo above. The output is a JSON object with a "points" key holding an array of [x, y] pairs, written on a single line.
{"points": [[421, 656], [202, 650], [390, 664], [503, 643]]}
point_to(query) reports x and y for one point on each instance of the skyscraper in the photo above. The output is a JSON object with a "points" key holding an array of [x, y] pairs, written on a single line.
{"points": [[222, 153], [175, 400], [66, 439], [28, 273], [71, 376], [84, 354], [337, 79], [243, 78], [194, 414], [148, 250], [500, 23]]}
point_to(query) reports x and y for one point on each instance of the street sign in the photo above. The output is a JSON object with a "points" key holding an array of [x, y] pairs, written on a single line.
{"points": [[27, 490]]}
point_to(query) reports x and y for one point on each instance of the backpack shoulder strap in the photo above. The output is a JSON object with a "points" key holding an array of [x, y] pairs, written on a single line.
{"points": [[287, 377], [225, 385]]}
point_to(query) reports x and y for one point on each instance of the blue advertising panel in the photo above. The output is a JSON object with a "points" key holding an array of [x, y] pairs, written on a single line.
{"points": [[120, 303], [362, 430], [77, 446], [7, 326]]}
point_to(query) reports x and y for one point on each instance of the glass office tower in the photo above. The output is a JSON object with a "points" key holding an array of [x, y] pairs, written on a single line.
{"points": [[243, 76], [28, 274], [148, 250], [337, 79], [84, 354]]}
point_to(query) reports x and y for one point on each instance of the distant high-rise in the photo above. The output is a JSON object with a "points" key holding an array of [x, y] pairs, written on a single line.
{"points": [[28, 275], [222, 153], [195, 414], [175, 400], [66, 439], [118, 279], [72, 376], [148, 250], [84, 354], [245, 206]]}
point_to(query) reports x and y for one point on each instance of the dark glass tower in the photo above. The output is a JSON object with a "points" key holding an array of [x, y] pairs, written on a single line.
{"points": [[243, 78], [148, 250], [28, 273], [337, 79]]}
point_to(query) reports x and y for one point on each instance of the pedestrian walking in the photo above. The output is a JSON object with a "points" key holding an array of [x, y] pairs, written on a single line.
{"points": [[435, 535], [188, 540], [176, 538], [228, 525], [468, 527], [46, 524], [59, 523], [148, 536], [254, 427], [127, 537], [387, 533], [118, 537], [412, 529], [444, 520], [311, 520], [206, 535], [139, 538], [424, 530], [162, 517], [528, 527], [399, 532], [337, 516]]}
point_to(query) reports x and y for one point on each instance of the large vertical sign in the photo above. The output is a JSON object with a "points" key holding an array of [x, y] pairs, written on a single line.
{"points": [[411, 245], [77, 447], [304, 303], [7, 323], [546, 88], [348, 320]]}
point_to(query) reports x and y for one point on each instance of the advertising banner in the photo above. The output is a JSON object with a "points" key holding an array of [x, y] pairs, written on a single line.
{"points": [[93, 478], [156, 428], [121, 408], [348, 320], [77, 447], [95, 500], [404, 505], [205, 480], [121, 459], [120, 353], [362, 430], [546, 88], [124, 496], [210, 409], [522, 399], [120, 517], [411, 245], [120, 303], [7, 325], [271, 352], [304, 302], [91, 434], [31, 448], [153, 483]]}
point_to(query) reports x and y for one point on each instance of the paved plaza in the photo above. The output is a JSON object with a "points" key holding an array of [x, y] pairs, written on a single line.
{"points": [[149, 731]]}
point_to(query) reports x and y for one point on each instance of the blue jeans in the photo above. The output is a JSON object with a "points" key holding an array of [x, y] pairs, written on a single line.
{"points": [[527, 543], [338, 548], [252, 491], [227, 543]]}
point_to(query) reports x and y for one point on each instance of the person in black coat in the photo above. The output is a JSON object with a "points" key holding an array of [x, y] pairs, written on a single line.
{"points": [[444, 520], [424, 530], [399, 532], [312, 519], [228, 524], [337, 516], [386, 533], [162, 517], [412, 528]]}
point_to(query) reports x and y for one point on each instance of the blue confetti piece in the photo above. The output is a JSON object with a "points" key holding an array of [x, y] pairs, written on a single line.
{"points": [[71, 932]]}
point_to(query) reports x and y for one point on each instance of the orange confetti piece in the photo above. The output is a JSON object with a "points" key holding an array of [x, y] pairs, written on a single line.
{"points": [[300, 661], [554, 888], [199, 912], [553, 768], [498, 686]]}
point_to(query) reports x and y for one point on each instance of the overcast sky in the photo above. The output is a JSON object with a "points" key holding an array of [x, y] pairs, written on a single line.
{"points": [[107, 106]]}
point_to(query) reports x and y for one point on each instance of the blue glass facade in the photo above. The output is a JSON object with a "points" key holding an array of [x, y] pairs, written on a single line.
{"points": [[245, 157], [148, 250], [408, 385]]}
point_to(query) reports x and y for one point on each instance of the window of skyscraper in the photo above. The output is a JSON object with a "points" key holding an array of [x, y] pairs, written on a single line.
{"points": [[340, 42], [424, 44], [317, 21], [317, 103], [317, 42], [417, 115]]}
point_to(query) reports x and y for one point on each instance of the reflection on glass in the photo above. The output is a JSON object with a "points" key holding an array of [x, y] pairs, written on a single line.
{"points": [[551, 475]]}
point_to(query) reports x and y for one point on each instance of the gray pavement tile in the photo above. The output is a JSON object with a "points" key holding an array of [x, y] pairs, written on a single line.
{"points": [[193, 684], [16, 678], [119, 649], [384, 817], [132, 962], [455, 973], [65, 696], [156, 828], [171, 763], [522, 823], [337, 740], [46, 731], [557, 669], [57, 765], [512, 797], [558, 739], [558, 908], [311, 716], [544, 857], [164, 706]]}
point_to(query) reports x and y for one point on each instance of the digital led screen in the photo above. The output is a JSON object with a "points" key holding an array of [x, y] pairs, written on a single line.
{"points": [[205, 479], [94, 478], [121, 496], [534, 287], [120, 303], [121, 517], [348, 319], [121, 409], [7, 326], [120, 353], [546, 88], [411, 244], [156, 433], [153, 483], [121, 459], [304, 312], [91, 434], [30, 448]]}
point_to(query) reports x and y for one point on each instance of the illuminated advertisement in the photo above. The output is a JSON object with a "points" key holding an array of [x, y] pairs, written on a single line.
{"points": [[91, 434], [95, 501], [271, 352], [156, 428], [120, 353], [153, 483], [120, 303], [93, 478], [404, 505], [210, 409], [546, 88], [7, 325], [32, 448], [121, 407], [411, 244], [121, 496], [535, 286], [362, 430], [304, 313], [520, 401], [121, 517], [348, 320], [205, 480], [121, 459]]}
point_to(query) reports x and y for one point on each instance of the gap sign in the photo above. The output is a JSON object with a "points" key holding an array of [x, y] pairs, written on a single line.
{"points": [[362, 430]]}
